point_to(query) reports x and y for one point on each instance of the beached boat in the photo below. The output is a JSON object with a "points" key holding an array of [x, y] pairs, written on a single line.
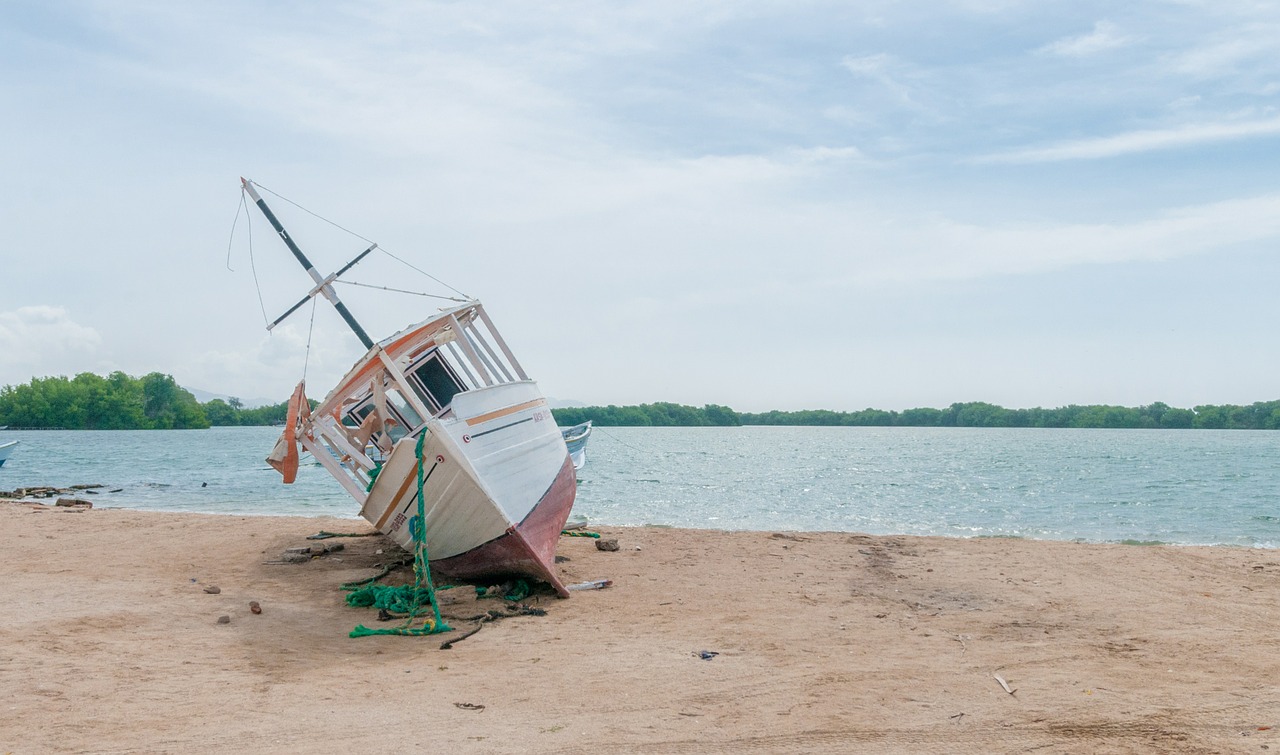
{"points": [[575, 439], [444, 407], [5, 450]]}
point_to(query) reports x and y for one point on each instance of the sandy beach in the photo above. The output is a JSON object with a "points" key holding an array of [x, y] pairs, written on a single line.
{"points": [[839, 642]]}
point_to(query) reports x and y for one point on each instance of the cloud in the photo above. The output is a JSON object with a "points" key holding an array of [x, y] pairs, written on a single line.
{"points": [[1137, 141], [1105, 36], [43, 340], [649, 160], [950, 250], [867, 65], [276, 362], [820, 155], [1251, 45], [880, 68]]}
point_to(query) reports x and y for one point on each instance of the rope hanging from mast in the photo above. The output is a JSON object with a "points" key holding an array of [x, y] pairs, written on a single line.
{"points": [[306, 360], [248, 221]]}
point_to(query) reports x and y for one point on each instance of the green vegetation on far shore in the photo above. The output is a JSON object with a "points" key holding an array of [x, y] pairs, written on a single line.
{"points": [[649, 415], [120, 402], [1262, 415], [1257, 416], [155, 401]]}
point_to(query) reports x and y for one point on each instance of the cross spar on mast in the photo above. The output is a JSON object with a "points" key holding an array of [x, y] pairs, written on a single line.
{"points": [[322, 284]]}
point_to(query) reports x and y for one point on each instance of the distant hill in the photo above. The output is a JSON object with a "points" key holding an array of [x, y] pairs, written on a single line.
{"points": [[563, 403], [205, 397]]}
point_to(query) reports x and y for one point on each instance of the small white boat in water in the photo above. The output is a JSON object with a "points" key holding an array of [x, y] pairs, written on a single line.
{"points": [[5, 450], [575, 438], [442, 407]]}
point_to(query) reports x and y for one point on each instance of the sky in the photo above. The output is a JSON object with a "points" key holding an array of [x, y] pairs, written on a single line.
{"points": [[767, 205]]}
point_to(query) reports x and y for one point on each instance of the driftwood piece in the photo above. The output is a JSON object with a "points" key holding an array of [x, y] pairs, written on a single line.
{"points": [[485, 618], [1003, 683], [448, 644]]}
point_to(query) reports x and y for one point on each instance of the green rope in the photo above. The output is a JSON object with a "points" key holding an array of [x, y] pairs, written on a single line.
{"points": [[377, 469], [409, 599], [579, 533], [401, 599]]}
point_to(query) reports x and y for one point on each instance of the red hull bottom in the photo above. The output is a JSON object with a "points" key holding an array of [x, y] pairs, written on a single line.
{"points": [[527, 549]]}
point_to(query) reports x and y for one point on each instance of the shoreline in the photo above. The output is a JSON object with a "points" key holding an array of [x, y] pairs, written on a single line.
{"points": [[822, 640], [355, 517]]}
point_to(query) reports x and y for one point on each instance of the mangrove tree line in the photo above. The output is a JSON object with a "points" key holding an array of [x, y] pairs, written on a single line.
{"points": [[121, 402], [154, 401]]}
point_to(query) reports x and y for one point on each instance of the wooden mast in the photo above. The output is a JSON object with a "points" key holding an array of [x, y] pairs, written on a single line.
{"points": [[322, 284]]}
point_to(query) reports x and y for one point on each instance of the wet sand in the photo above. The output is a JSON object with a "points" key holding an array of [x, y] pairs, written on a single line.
{"points": [[824, 642]]}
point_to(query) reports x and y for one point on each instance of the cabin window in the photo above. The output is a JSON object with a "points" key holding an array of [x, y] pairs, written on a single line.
{"points": [[404, 412], [401, 417], [437, 380], [357, 415]]}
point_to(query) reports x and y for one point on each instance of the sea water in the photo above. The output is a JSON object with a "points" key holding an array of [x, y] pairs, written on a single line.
{"points": [[1136, 486]]}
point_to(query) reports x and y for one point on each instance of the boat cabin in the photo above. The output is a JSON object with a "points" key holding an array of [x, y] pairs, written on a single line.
{"points": [[401, 385]]}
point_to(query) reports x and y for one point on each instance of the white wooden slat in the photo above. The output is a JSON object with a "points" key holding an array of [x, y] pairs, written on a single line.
{"points": [[322, 455], [470, 352], [406, 389], [479, 335], [460, 361], [502, 344], [473, 337], [336, 436]]}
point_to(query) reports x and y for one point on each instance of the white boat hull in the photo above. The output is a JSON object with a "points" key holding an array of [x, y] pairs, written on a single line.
{"points": [[495, 495], [5, 450], [575, 438]]}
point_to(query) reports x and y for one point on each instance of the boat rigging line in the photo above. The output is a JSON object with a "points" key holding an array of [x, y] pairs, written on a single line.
{"points": [[404, 262], [616, 439], [402, 291], [322, 284], [234, 221], [320, 287], [248, 221], [311, 327]]}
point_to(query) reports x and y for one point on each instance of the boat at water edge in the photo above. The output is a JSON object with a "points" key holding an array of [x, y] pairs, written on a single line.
{"points": [[445, 408], [5, 450], [575, 439]]}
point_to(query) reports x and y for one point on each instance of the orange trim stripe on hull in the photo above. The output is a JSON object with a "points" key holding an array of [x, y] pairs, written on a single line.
{"points": [[395, 501], [497, 413]]}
